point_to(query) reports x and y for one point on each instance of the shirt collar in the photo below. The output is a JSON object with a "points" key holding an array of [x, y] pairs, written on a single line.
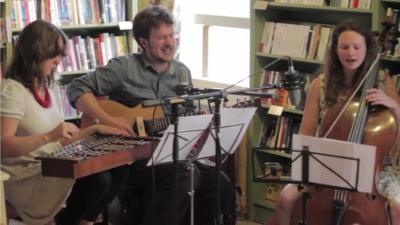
{"points": [[147, 64]]}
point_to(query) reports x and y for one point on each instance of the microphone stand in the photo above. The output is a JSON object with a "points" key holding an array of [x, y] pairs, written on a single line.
{"points": [[217, 123], [175, 153], [174, 103], [305, 181], [244, 91], [217, 96]]}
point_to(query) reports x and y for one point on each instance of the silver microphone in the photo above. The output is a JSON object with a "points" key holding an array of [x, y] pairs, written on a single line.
{"points": [[293, 82], [183, 81], [184, 88]]}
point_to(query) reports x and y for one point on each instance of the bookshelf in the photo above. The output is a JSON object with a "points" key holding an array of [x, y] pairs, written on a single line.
{"points": [[391, 60], [301, 14], [98, 30], [2, 37], [5, 34]]}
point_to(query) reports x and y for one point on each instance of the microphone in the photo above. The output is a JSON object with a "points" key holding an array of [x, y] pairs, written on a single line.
{"points": [[184, 88], [196, 91], [183, 81], [293, 82]]}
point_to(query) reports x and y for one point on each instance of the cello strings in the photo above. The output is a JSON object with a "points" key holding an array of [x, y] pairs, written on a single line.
{"points": [[356, 132], [361, 116], [352, 95]]}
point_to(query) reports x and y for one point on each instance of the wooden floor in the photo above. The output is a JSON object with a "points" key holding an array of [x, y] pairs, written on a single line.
{"points": [[240, 222], [246, 223]]}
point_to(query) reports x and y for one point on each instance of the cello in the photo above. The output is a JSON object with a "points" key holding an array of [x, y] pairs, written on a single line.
{"points": [[354, 122]]}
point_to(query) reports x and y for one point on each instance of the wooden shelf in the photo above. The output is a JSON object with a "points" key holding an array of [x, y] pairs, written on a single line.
{"points": [[69, 73], [391, 59], [303, 60], [282, 12], [89, 27], [301, 64], [391, 2], [281, 180], [265, 204], [274, 151], [262, 5]]}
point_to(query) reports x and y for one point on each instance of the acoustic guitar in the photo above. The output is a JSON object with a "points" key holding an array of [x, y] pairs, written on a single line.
{"points": [[143, 120]]}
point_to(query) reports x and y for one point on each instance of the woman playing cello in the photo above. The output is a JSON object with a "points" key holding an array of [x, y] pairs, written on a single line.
{"points": [[351, 53]]}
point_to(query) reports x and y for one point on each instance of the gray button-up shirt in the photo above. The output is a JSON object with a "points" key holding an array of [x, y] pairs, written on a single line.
{"points": [[129, 80]]}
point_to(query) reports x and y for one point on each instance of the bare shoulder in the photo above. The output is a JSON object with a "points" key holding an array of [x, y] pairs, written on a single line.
{"points": [[391, 88], [315, 88]]}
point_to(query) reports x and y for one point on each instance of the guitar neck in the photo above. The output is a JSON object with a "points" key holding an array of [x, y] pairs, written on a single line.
{"points": [[135, 115]]}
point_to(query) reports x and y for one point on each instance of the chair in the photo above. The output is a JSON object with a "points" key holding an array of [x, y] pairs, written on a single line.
{"points": [[3, 219]]}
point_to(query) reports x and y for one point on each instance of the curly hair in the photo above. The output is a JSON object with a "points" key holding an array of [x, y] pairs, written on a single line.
{"points": [[38, 41], [334, 69], [149, 18]]}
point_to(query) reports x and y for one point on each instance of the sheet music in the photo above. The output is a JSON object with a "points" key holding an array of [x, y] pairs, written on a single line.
{"points": [[189, 130], [234, 123], [346, 168]]}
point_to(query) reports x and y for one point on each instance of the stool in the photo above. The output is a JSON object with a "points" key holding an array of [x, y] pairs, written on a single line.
{"points": [[3, 177]]}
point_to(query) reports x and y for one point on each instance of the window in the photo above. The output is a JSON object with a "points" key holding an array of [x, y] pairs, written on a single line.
{"points": [[215, 39]]}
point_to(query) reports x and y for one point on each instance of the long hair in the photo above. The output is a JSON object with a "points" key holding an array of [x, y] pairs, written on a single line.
{"points": [[334, 69], [37, 42], [149, 18]]}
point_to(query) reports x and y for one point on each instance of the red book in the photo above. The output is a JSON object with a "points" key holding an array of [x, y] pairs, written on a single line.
{"points": [[355, 4]]}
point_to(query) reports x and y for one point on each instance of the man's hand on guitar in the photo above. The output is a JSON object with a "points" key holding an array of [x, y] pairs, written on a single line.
{"points": [[120, 123], [109, 130]]}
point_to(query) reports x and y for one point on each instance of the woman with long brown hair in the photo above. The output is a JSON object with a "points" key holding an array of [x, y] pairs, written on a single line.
{"points": [[31, 124], [351, 54]]}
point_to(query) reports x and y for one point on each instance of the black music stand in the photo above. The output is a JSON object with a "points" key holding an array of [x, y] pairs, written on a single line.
{"points": [[231, 132], [185, 147], [343, 166]]}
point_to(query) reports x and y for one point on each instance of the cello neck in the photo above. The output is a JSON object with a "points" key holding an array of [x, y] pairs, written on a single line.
{"points": [[369, 80], [370, 76]]}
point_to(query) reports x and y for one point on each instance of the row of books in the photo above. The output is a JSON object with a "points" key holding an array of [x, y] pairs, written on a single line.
{"points": [[272, 77], [303, 2], [297, 40], [63, 102], [279, 134], [67, 12], [5, 30], [356, 4], [86, 53]]}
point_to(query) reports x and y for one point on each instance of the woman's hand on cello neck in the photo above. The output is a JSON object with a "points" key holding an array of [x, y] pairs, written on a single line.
{"points": [[378, 97]]}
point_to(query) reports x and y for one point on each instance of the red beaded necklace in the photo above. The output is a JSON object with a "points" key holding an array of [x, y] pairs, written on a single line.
{"points": [[46, 102]]}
